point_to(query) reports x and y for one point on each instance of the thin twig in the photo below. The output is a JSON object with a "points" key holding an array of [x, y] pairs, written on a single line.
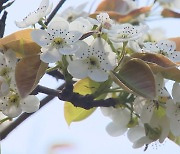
{"points": [[2, 24], [53, 13]]}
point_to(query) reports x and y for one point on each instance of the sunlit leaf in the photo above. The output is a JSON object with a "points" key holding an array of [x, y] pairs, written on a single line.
{"points": [[21, 43], [29, 71], [124, 18], [169, 13], [138, 77], [83, 87]]}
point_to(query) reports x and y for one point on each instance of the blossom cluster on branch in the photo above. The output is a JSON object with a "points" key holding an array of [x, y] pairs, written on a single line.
{"points": [[117, 62]]}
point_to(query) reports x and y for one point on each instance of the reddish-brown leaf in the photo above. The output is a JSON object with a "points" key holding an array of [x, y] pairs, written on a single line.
{"points": [[29, 71], [169, 13], [138, 77]]}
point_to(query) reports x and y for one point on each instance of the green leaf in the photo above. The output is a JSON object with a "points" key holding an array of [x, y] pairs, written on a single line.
{"points": [[28, 72], [83, 87], [138, 77]]}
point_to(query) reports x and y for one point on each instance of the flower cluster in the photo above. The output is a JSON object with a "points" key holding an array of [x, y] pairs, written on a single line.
{"points": [[11, 103], [129, 64]]}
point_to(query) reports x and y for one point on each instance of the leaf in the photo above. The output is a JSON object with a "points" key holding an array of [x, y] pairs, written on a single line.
{"points": [[21, 43], [172, 73], [169, 13], [138, 77], [160, 64], [123, 18], [83, 87], [28, 72], [155, 58]]}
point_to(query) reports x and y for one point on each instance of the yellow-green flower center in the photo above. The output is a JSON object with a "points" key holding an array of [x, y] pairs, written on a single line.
{"points": [[58, 41]]}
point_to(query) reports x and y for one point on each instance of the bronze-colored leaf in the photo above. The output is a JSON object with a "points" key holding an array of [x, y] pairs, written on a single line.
{"points": [[21, 43], [154, 58], [29, 71], [169, 13], [172, 73], [138, 77], [124, 18]]}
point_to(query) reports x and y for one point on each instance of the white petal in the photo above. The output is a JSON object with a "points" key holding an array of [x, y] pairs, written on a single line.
{"points": [[40, 37], [174, 56], [136, 133], [83, 51], [2, 60], [12, 111], [176, 92], [98, 75], [78, 69], [165, 126], [30, 104], [50, 55], [4, 87], [115, 129], [175, 126], [49, 9], [73, 36], [147, 112], [69, 49], [170, 108], [21, 24], [3, 103], [107, 111], [150, 47], [58, 28], [32, 19], [11, 59], [81, 24], [141, 142]]}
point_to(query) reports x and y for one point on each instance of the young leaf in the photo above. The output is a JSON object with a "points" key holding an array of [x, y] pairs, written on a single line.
{"points": [[124, 18], [29, 71], [21, 43], [138, 77], [155, 58], [83, 87], [160, 64], [167, 13]]}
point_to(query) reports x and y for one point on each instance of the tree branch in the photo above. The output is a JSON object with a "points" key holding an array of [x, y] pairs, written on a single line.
{"points": [[56, 74], [24, 116], [87, 102], [2, 24], [53, 13]]}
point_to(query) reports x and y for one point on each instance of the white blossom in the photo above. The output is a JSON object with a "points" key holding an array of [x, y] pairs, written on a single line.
{"points": [[173, 110], [120, 119], [12, 105], [58, 40], [156, 129], [70, 14], [164, 47], [94, 61], [34, 17], [127, 32]]}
